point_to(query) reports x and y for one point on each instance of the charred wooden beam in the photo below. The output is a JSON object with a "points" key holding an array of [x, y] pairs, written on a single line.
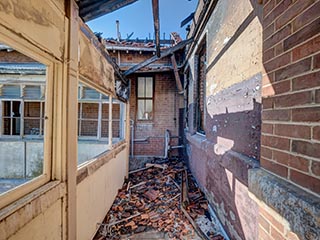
{"points": [[163, 54], [89, 10], [155, 10], [176, 74]]}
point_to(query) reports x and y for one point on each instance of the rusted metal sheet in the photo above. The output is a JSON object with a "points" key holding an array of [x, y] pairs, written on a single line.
{"points": [[38, 21], [93, 65]]}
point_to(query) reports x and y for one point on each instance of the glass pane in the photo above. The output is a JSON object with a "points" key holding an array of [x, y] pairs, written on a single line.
{"points": [[89, 128], [141, 109], [6, 126], [32, 92], [149, 110], [21, 158], [116, 129], [141, 87], [149, 87], [105, 111], [105, 129], [11, 91], [32, 126], [32, 109], [90, 110], [6, 108], [90, 93]]}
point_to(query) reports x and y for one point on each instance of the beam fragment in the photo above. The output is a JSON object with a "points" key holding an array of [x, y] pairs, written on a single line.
{"points": [[163, 54], [155, 10], [176, 74]]}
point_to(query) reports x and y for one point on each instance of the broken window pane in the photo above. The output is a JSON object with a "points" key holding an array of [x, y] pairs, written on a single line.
{"points": [[22, 113]]}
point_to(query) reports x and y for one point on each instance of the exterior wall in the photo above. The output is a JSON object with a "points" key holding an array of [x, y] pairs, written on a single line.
{"points": [[290, 130], [96, 189], [220, 159], [166, 115], [289, 180]]}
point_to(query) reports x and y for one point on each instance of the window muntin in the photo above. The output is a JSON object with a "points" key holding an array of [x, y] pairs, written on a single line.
{"points": [[145, 98]]}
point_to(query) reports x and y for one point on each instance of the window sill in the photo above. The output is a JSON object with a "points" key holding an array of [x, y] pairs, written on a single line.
{"points": [[32, 196], [88, 168]]}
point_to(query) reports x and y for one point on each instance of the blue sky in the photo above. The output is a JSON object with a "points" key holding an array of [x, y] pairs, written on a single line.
{"points": [[138, 18]]}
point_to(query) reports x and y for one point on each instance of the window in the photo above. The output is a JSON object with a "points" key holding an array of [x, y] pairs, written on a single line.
{"points": [[201, 90], [11, 118], [95, 123], [145, 98], [24, 145]]}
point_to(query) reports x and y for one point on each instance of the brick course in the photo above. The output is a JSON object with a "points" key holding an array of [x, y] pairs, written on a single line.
{"points": [[291, 112]]}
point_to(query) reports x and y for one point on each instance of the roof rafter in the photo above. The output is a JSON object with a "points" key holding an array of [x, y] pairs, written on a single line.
{"points": [[163, 54]]}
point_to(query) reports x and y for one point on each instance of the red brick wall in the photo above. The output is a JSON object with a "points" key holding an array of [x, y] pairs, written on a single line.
{"points": [[166, 110], [14, 56], [291, 91]]}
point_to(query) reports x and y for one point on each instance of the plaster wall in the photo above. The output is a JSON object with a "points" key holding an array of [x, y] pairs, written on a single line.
{"points": [[96, 193]]}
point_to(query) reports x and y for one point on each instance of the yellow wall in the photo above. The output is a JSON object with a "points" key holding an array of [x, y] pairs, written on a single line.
{"points": [[96, 193]]}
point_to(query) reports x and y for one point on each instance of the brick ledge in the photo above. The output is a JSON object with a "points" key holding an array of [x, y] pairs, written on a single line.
{"points": [[300, 208]]}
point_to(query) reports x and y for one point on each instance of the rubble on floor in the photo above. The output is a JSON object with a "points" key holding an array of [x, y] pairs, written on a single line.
{"points": [[162, 198]]}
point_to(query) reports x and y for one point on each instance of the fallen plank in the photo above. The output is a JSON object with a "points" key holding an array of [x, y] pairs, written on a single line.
{"points": [[162, 166], [196, 227]]}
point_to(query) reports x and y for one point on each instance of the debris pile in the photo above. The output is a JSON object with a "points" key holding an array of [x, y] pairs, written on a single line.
{"points": [[161, 197]]}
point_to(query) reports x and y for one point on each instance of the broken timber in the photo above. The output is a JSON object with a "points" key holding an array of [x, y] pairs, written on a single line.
{"points": [[155, 10], [163, 54], [176, 74]]}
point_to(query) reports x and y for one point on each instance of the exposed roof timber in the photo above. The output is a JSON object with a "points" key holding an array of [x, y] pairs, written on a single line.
{"points": [[155, 10], [187, 19], [91, 9], [176, 74], [163, 54]]}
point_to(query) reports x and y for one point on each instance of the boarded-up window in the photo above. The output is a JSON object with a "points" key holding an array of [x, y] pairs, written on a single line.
{"points": [[145, 98]]}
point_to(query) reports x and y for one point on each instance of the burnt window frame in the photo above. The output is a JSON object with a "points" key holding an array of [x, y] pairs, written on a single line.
{"points": [[200, 92]]}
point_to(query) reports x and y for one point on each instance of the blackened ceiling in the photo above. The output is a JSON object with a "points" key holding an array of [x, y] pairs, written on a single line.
{"points": [[91, 9]]}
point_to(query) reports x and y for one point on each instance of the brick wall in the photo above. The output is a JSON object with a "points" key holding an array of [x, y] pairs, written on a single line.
{"points": [[165, 116], [291, 91], [14, 56]]}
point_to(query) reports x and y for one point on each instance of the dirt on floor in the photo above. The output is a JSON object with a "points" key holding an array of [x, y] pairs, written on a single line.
{"points": [[161, 201]]}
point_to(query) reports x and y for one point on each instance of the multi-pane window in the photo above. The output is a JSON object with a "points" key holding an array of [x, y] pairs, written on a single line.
{"points": [[25, 149], [145, 98], [101, 123]]}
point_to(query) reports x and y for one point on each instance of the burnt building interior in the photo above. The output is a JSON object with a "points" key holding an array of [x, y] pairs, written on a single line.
{"points": [[215, 136]]}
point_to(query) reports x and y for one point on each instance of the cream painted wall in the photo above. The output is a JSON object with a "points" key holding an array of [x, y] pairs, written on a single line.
{"points": [[47, 225], [96, 193]]}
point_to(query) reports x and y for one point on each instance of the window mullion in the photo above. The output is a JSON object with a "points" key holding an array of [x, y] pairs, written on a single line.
{"points": [[110, 123], [21, 118], [99, 120]]}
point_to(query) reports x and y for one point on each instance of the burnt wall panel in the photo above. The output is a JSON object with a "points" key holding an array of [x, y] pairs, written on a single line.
{"points": [[220, 158]]}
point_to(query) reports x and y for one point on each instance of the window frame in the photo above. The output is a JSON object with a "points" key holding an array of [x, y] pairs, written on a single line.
{"points": [[50, 77], [145, 98], [200, 116]]}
